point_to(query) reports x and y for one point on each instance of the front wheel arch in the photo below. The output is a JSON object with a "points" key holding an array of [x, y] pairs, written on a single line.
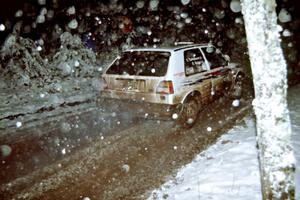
{"points": [[235, 87]]}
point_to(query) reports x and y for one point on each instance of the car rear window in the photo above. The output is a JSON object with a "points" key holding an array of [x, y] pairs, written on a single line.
{"points": [[142, 63]]}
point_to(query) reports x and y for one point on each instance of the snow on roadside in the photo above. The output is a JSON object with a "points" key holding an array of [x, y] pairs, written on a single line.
{"points": [[227, 170], [29, 104]]}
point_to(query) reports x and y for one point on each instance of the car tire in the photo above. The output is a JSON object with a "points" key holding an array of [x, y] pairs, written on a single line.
{"points": [[189, 113], [236, 89]]}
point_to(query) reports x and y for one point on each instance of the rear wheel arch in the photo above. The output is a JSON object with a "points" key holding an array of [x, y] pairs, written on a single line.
{"points": [[191, 106], [195, 95]]}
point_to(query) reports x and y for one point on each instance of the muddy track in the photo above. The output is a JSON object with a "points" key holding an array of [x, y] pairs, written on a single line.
{"points": [[128, 164]]}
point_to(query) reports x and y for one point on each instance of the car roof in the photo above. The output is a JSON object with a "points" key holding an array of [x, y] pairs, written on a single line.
{"points": [[168, 48]]}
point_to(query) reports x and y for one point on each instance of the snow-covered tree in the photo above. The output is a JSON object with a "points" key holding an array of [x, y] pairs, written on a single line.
{"points": [[73, 57], [21, 62], [270, 104]]}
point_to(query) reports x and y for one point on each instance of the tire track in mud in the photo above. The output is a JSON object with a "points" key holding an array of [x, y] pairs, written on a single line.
{"points": [[128, 164]]}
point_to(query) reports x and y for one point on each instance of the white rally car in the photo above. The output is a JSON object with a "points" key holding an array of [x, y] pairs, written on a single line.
{"points": [[174, 82]]}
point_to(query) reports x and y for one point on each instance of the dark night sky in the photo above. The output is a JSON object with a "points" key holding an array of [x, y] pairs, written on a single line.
{"points": [[8, 8]]}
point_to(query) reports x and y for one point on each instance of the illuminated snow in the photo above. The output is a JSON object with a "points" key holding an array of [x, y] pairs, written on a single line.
{"points": [[39, 48], [125, 168], [40, 19], [185, 2], [238, 20], [188, 20], [235, 103], [227, 170], [175, 116], [209, 129], [76, 63], [235, 6], [43, 11], [2, 27], [63, 151], [284, 16], [42, 2], [286, 33], [5, 150], [71, 10], [50, 14], [140, 4], [190, 121], [19, 13], [153, 4], [73, 24], [184, 15], [18, 124]]}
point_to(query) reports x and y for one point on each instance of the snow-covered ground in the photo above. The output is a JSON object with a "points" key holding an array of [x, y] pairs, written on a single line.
{"points": [[229, 169]]}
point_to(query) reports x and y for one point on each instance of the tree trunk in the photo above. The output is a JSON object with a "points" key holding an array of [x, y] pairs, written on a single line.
{"points": [[276, 157]]}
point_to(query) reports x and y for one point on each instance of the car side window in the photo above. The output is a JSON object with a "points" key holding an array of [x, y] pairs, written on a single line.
{"points": [[194, 62], [214, 57]]}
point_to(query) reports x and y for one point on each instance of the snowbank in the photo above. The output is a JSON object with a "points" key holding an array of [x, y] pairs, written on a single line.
{"points": [[229, 169]]}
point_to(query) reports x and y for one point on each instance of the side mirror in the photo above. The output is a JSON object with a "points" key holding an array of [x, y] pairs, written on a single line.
{"points": [[226, 57]]}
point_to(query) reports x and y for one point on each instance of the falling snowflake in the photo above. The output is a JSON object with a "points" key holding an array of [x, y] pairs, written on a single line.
{"points": [[153, 4], [284, 16], [18, 124], [125, 168], [73, 24], [235, 6], [2, 27], [185, 2], [71, 10], [286, 33], [5, 150], [140, 4], [19, 13], [175, 116], [235, 103], [63, 151], [40, 19], [76, 63], [39, 48], [42, 2]]}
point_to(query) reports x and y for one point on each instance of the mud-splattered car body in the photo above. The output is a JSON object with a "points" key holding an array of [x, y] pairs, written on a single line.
{"points": [[174, 82]]}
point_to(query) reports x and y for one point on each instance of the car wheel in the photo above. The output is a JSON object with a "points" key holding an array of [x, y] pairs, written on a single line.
{"points": [[236, 89], [189, 113]]}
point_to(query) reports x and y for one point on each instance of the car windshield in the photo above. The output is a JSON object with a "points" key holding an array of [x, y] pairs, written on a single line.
{"points": [[143, 63]]}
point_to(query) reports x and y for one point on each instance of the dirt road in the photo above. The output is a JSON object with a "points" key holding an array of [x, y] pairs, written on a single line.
{"points": [[122, 164]]}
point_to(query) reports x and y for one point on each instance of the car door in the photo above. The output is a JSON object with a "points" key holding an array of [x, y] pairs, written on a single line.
{"points": [[197, 74], [216, 64]]}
